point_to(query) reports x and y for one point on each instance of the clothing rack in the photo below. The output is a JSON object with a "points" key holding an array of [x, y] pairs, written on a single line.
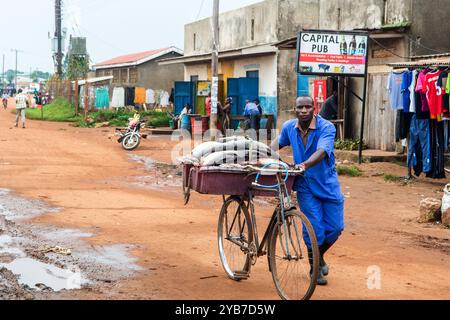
{"points": [[412, 65]]}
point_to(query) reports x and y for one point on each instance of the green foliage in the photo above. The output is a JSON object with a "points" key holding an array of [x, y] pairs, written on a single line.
{"points": [[120, 118], [392, 178], [60, 110], [9, 76], [349, 145], [36, 75], [77, 67], [350, 171]]}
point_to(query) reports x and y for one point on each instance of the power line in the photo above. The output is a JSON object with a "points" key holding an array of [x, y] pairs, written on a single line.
{"points": [[389, 50], [421, 45], [200, 10]]}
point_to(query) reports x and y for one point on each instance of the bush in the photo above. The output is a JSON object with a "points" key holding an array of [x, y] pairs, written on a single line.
{"points": [[349, 145]]}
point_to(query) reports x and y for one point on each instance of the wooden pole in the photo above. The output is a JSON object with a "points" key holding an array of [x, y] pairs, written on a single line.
{"points": [[77, 101], [215, 68], [86, 100]]}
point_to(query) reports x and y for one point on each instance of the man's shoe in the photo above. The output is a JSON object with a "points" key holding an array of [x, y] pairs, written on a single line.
{"points": [[23, 127], [323, 265], [16, 125], [321, 280]]}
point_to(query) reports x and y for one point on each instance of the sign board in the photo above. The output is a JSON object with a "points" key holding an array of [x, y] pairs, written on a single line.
{"points": [[331, 53], [203, 88], [214, 94]]}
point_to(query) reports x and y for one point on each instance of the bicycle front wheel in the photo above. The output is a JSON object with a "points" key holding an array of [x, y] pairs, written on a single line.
{"points": [[294, 275], [235, 238]]}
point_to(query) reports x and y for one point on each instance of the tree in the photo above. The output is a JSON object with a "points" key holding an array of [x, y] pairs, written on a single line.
{"points": [[36, 75], [77, 67], [9, 75]]}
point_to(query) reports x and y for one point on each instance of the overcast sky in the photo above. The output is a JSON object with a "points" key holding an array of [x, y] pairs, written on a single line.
{"points": [[112, 27]]}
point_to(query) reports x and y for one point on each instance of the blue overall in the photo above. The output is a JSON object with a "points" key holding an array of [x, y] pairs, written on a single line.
{"points": [[318, 191]]}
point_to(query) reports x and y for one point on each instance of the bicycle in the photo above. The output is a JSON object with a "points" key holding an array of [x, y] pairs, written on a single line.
{"points": [[283, 241]]}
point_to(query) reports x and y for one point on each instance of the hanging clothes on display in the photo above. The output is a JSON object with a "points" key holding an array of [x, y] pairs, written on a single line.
{"points": [[420, 87], [102, 98], [422, 102], [81, 97], [394, 87], [419, 146], [139, 95], [118, 98], [165, 99], [129, 96], [150, 96]]}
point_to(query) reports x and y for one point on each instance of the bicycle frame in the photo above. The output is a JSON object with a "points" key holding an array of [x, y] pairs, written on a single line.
{"points": [[277, 219]]}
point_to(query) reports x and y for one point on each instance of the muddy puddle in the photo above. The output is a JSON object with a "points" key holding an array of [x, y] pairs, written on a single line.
{"points": [[158, 174], [37, 259]]}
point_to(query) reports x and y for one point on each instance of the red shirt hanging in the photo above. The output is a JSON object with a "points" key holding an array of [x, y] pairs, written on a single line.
{"points": [[434, 94]]}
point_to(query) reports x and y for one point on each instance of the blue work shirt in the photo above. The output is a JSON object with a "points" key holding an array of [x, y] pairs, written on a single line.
{"points": [[322, 179], [251, 109]]}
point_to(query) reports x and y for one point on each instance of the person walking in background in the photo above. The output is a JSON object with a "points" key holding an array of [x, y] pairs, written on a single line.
{"points": [[5, 98], [21, 105]]}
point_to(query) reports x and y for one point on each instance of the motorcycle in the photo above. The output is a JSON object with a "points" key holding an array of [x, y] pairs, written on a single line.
{"points": [[131, 137]]}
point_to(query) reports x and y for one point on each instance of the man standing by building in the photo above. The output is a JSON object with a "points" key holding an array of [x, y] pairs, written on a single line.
{"points": [[21, 105], [318, 190], [252, 115], [330, 107]]}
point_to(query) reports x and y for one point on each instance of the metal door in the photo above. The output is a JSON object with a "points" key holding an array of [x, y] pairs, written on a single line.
{"points": [[182, 95]]}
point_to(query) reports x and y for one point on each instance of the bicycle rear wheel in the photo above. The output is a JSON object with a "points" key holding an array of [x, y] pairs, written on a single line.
{"points": [[235, 236], [292, 274]]}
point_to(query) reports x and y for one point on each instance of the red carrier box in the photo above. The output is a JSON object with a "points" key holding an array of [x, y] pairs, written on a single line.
{"points": [[228, 181]]}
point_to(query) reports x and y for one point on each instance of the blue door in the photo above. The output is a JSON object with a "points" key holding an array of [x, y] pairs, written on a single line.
{"points": [[233, 92], [241, 89], [248, 89], [182, 95]]}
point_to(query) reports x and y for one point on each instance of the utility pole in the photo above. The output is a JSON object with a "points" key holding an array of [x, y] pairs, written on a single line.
{"points": [[58, 36], [17, 51], [215, 68]]}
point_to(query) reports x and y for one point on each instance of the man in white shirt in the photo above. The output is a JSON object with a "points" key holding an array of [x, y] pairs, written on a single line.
{"points": [[21, 105]]}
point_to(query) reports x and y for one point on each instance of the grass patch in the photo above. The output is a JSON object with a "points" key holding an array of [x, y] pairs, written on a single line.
{"points": [[120, 118], [350, 171], [392, 178], [348, 145], [60, 110]]}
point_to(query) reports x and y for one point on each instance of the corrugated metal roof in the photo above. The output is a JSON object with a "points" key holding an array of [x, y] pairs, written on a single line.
{"points": [[443, 61], [129, 58]]}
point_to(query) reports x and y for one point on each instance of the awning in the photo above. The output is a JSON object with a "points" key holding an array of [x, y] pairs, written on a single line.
{"points": [[246, 52], [94, 80]]}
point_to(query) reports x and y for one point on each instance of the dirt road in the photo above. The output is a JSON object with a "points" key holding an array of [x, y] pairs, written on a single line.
{"points": [[126, 199]]}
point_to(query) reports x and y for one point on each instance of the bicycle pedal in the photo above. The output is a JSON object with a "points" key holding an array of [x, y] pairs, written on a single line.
{"points": [[241, 275]]}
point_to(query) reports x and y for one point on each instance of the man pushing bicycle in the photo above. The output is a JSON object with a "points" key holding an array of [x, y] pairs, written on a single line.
{"points": [[318, 191]]}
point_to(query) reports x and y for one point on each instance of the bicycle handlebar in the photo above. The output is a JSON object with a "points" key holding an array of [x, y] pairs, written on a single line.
{"points": [[285, 170]]}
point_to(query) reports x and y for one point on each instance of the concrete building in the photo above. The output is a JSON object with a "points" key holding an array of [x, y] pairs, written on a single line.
{"points": [[142, 69], [251, 39]]}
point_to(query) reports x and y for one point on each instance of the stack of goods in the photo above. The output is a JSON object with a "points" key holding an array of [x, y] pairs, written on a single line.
{"points": [[232, 152]]}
